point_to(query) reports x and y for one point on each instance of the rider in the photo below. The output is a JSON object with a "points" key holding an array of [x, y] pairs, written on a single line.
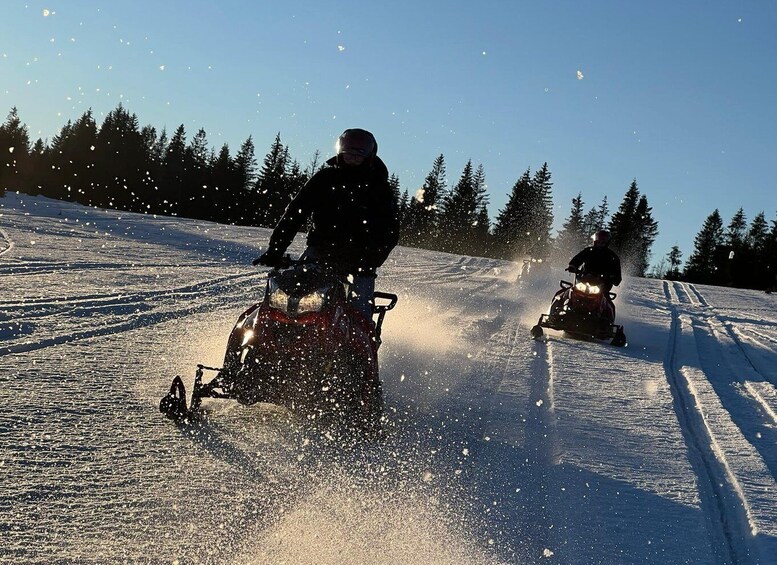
{"points": [[599, 260], [354, 213]]}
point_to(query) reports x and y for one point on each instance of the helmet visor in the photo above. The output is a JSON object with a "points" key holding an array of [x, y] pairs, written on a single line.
{"points": [[360, 151]]}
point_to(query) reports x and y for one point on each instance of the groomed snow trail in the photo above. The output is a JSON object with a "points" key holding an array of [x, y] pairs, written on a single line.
{"points": [[500, 449], [725, 404]]}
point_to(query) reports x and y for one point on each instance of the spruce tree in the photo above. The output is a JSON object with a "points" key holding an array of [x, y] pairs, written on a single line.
{"points": [[701, 265], [75, 173], [239, 208], [622, 222], [393, 182], [770, 254], [14, 152], [222, 176], [757, 234], [512, 222], [735, 233], [633, 231], [171, 182], [122, 162], [540, 219], [646, 230], [419, 226], [199, 203], [596, 219], [572, 236], [479, 241], [272, 191], [675, 260], [459, 213]]}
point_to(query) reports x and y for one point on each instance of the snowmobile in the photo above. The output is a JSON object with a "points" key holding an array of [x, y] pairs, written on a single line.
{"points": [[533, 270], [583, 309], [304, 346]]}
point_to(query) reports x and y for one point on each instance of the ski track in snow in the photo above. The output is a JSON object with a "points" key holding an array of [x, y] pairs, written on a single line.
{"points": [[737, 449], [500, 449]]}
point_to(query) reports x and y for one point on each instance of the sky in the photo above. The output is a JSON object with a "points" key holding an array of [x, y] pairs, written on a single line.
{"points": [[675, 95]]}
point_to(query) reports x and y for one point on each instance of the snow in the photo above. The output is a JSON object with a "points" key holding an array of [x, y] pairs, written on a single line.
{"points": [[501, 449]]}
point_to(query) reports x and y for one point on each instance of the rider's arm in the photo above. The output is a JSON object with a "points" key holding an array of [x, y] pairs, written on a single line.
{"points": [[295, 216], [578, 259]]}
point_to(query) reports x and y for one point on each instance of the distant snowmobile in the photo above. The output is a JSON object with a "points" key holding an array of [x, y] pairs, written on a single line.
{"points": [[304, 347], [583, 309], [533, 268]]}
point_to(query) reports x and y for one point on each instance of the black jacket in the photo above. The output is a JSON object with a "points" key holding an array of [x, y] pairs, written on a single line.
{"points": [[599, 261], [354, 212]]}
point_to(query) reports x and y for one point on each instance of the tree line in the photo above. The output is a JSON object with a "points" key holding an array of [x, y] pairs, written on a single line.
{"points": [[121, 165], [738, 255]]}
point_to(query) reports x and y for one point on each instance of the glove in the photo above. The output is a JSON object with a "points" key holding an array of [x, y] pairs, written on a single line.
{"points": [[269, 259]]}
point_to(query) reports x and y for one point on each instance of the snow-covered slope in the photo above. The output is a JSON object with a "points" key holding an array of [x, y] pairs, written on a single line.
{"points": [[502, 450]]}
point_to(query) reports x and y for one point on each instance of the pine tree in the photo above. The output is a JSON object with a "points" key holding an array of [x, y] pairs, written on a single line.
{"points": [[73, 165], [39, 174], [675, 260], [459, 213], [646, 229], [701, 265], [171, 182], [393, 182], [512, 222], [402, 214], [239, 206], [196, 179], [419, 227], [770, 253], [121, 162], [622, 222], [14, 152], [633, 231], [272, 190], [222, 175], [735, 234], [541, 217], [480, 239], [757, 234], [596, 219], [572, 236]]}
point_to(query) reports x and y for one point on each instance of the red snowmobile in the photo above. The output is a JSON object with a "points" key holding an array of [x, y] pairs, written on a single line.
{"points": [[304, 347], [583, 309]]}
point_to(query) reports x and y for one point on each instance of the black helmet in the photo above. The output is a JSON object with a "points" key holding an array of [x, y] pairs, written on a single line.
{"points": [[602, 237], [357, 142]]}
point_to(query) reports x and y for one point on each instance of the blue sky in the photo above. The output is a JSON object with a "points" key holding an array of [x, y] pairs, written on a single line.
{"points": [[678, 95]]}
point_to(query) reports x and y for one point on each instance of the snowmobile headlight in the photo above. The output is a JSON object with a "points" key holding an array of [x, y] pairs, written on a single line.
{"points": [[587, 288], [279, 300], [312, 302]]}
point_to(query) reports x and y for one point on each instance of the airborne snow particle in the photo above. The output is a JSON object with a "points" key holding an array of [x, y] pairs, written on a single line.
{"points": [[161, 67], [539, 402], [546, 552], [580, 75], [340, 48], [46, 12], [10, 149]]}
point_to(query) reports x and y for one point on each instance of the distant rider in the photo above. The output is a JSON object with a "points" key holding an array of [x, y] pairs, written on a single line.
{"points": [[599, 260], [354, 215]]}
